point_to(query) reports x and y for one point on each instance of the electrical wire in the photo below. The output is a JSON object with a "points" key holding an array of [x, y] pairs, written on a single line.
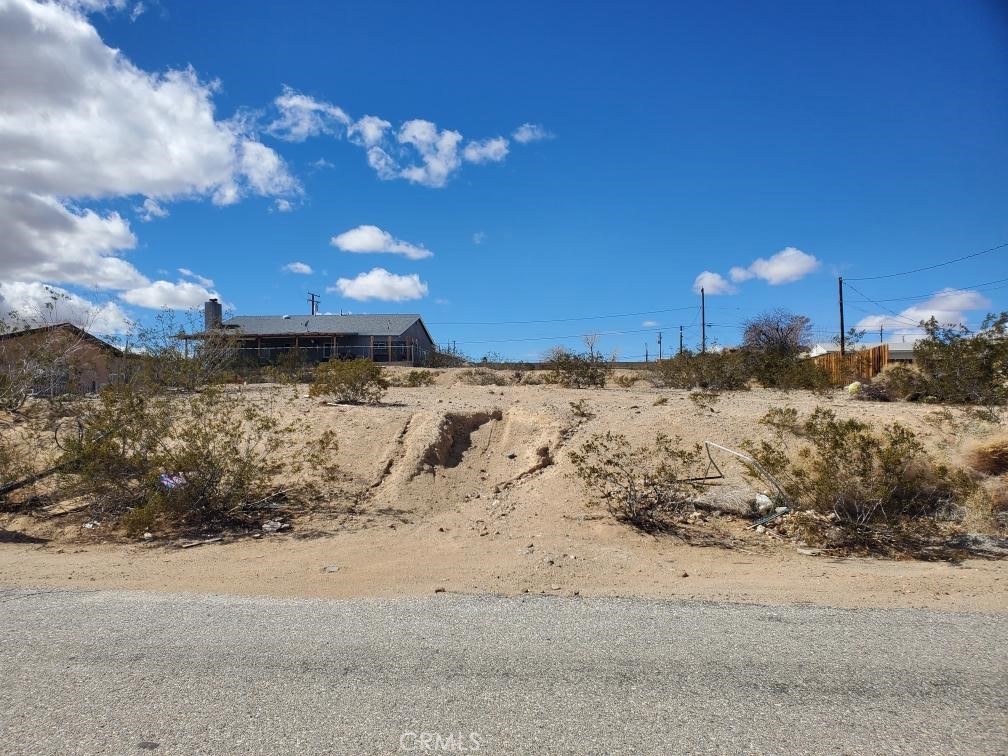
{"points": [[929, 267]]}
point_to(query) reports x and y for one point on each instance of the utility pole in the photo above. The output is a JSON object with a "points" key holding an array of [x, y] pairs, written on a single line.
{"points": [[314, 301], [645, 354], [880, 334], [703, 322], [680, 341], [843, 344], [659, 346]]}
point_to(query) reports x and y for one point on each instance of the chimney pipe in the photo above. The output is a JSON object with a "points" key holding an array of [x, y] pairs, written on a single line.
{"points": [[212, 315]]}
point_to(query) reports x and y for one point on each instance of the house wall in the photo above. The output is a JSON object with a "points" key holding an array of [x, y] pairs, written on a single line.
{"points": [[64, 360], [412, 347]]}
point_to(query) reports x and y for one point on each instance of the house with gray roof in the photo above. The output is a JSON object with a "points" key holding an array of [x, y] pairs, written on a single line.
{"points": [[401, 338]]}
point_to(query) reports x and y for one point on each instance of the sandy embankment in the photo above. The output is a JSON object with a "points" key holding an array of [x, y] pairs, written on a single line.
{"points": [[459, 498]]}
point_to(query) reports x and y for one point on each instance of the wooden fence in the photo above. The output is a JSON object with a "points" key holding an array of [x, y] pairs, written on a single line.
{"points": [[862, 365]]}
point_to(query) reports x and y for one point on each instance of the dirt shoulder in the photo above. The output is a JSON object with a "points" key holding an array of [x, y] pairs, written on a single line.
{"points": [[470, 489]]}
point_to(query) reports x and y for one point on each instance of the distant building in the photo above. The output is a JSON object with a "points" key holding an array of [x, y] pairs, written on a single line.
{"points": [[900, 352], [318, 338], [59, 359]]}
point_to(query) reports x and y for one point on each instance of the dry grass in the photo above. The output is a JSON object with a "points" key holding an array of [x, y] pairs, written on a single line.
{"points": [[989, 455]]}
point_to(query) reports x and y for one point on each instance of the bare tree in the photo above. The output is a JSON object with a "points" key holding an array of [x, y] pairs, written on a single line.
{"points": [[590, 340], [777, 331]]}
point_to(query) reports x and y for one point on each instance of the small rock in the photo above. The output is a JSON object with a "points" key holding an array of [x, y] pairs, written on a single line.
{"points": [[763, 503], [148, 535], [441, 530], [685, 574], [554, 587], [331, 568], [761, 529], [809, 552], [781, 510], [273, 526], [439, 589]]}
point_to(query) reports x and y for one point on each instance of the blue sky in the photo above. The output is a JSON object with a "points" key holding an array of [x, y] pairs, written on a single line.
{"points": [[789, 141]]}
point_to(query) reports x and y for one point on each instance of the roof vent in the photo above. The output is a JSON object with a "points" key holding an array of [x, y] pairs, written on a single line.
{"points": [[286, 317]]}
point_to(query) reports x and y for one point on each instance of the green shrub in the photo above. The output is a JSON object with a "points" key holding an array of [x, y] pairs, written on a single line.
{"points": [[722, 371], [482, 376], [867, 482], [415, 379], [199, 459], [577, 370], [963, 367], [358, 381], [644, 486]]}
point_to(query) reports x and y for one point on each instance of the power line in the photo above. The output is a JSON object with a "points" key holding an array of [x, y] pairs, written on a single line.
{"points": [[929, 267], [944, 292], [560, 320], [887, 309]]}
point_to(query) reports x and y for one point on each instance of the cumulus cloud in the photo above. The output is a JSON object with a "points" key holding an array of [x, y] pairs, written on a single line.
{"points": [[301, 116], [81, 122], [368, 131], [788, 265], [712, 283], [417, 151], [530, 132], [649, 324], [180, 295], [299, 267], [486, 151], [378, 283], [371, 239], [31, 302], [282, 205], [479, 237], [438, 151], [948, 306]]}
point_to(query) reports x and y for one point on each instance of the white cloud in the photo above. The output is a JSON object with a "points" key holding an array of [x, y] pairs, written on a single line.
{"points": [[30, 301], [151, 210], [282, 205], [488, 150], [299, 267], [302, 116], [201, 280], [438, 152], [44, 240], [649, 324], [949, 307], [530, 132], [712, 283], [368, 131], [479, 237], [380, 284], [788, 265], [180, 295], [371, 239], [79, 121]]}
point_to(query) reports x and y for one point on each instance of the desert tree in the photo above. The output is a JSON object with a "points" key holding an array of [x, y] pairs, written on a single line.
{"points": [[777, 331]]}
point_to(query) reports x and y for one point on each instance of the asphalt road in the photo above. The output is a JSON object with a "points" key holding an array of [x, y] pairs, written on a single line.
{"points": [[115, 672]]}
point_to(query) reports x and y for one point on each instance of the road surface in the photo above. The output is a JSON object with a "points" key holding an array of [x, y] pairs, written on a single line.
{"points": [[118, 672]]}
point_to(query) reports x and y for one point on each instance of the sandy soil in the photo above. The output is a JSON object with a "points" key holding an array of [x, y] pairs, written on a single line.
{"points": [[460, 495]]}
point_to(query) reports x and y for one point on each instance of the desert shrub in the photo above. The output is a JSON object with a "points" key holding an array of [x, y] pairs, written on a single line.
{"points": [[989, 455], [645, 486], [414, 379], [352, 381], [626, 381], [198, 459], [446, 357], [867, 482], [705, 399], [721, 371], [580, 409], [481, 376], [894, 384], [965, 367], [736, 370], [577, 370]]}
